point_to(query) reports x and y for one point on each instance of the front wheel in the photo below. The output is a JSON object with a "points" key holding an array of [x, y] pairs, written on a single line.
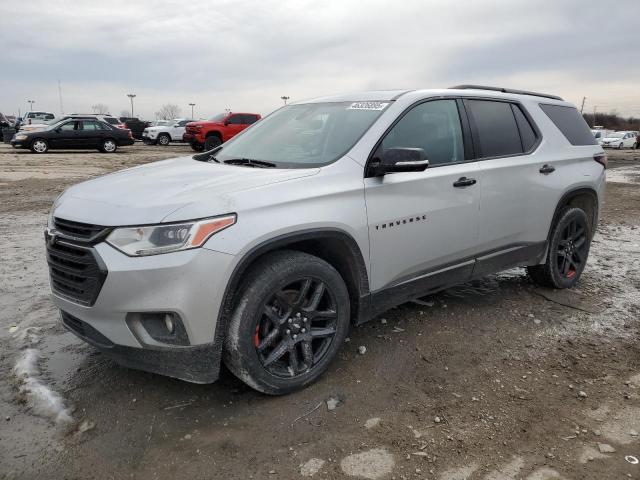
{"points": [[109, 146], [620, 146], [39, 145], [212, 142], [288, 324], [568, 251], [163, 139]]}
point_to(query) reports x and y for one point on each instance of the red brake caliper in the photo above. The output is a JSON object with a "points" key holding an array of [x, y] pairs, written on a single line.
{"points": [[256, 336]]}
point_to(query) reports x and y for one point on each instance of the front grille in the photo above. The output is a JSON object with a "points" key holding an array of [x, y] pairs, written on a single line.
{"points": [[77, 230], [84, 330], [76, 271], [193, 130]]}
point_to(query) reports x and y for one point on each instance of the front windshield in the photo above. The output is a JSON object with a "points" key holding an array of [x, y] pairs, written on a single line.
{"points": [[304, 135], [616, 135], [218, 118]]}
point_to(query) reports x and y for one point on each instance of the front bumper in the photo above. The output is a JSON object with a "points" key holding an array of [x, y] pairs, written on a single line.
{"points": [[19, 143], [192, 138], [189, 283]]}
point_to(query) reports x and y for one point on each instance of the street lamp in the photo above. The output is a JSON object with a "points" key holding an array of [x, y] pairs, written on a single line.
{"points": [[192, 105], [284, 99], [31, 102], [131, 96]]}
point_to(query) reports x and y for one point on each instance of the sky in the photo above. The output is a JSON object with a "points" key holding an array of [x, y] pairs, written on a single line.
{"points": [[244, 55]]}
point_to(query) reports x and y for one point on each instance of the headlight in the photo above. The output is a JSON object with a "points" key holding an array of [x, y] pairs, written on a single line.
{"points": [[165, 238], [21, 136]]}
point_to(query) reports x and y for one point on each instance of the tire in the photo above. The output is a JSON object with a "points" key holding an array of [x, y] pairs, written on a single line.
{"points": [[568, 251], [212, 142], [620, 146], [39, 145], [164, 139], [196, 147], [109, 145], [279, 339]]}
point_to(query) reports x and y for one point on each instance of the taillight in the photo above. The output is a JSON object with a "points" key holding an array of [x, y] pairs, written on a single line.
{"points": [[601, 158]]}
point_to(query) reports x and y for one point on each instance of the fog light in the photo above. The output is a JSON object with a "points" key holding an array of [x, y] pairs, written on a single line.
{"points": [[168, 322], [158, 327]]}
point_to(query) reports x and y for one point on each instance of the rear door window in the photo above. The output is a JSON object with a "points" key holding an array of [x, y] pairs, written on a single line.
{"points": [[496, 127], [527, 133], [236, 120], [570, 123]]}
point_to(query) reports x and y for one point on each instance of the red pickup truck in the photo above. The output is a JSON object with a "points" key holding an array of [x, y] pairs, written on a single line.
{"points": [[208, 134]]}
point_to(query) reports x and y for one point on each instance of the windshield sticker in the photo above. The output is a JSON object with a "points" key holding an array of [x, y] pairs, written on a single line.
{"points": [[367, 106]]}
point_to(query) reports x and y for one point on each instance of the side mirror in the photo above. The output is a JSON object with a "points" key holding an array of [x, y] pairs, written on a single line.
{"points": [[226, 122], [176, 125], [396, 160]]}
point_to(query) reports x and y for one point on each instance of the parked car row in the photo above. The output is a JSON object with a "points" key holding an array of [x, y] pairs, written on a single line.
{"points": [[619, 140]]}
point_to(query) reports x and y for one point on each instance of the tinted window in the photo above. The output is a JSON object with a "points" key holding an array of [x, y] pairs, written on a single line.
{"points": [[570, 123], [68, 126], [496, 126], [249, 119], [434, 127], [527, 133], [183, 123], [111, 120], [236, 120], [91, 125]]}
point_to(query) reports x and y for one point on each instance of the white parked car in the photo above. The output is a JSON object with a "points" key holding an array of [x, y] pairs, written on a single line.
{"points": [[619, 140], [600, 133], [165, 134]]}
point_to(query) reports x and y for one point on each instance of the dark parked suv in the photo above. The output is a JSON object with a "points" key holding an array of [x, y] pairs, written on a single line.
{"points": [[136, 126], [75, 132]]}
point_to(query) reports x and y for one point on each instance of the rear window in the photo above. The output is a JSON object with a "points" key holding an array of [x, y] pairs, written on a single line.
{"points": [[111, 120], [496, 126], [570, 123]]}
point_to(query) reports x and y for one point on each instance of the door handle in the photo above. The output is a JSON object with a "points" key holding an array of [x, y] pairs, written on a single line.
{"points": [[464, 182], [547, 169]]}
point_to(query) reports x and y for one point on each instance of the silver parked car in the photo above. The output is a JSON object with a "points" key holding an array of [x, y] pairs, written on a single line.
{"points": [[264, 251]]}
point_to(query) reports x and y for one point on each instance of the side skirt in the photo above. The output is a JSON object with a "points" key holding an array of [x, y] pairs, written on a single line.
{"points": [[441, 278]]}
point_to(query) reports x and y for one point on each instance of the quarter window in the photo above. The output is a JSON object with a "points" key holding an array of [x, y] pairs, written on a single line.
{"points": [[432, 126], [570, 123], [496, 128]]}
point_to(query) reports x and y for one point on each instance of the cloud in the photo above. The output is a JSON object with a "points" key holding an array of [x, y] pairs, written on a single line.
{"points": [[245, 55]]}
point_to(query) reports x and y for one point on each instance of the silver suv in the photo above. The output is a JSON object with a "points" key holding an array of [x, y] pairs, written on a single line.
{"points": [[265, 250]]}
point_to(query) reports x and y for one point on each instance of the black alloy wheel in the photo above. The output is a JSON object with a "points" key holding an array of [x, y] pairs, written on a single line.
{"points": [[297, 326]]}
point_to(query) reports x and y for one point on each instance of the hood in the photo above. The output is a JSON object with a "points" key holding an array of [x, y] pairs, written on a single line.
{"points": [[149, 193]]}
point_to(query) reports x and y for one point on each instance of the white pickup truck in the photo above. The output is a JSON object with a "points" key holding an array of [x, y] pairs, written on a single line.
{"points": [[165, 134]]}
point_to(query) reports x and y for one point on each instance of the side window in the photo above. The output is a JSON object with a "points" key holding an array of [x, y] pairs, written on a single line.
{"points": [[183, 123], [527, 133], [235, 120], [249, 119], [433, 126], [91, 126], [68, 126], [496, 127], [570, 123]]}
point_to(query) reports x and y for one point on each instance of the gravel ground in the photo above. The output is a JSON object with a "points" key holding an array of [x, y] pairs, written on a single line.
{"points": [[496, 379]]}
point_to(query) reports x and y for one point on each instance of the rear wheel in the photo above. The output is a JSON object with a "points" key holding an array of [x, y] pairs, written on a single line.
{"points": [[164, 139], [212, 142], [196, 147], [39, 145], [288, 324], [109, 146], [568, 251]]}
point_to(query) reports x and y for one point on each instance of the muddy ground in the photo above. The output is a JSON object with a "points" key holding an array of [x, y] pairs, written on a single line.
{"points": [[498, 379]]}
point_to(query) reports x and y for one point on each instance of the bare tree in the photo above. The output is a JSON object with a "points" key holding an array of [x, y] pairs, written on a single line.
{"points": [[168, 111], [100, 108]]}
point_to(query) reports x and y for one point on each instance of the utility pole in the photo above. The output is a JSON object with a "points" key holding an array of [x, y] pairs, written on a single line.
{"points": [[131, 96], [60, 97], [192, 105], [31, 102], [594, 116], [284, 98], [582, 106]]}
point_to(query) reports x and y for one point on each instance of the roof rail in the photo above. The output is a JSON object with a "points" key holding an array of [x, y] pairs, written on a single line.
{"points": [[505, 90]]}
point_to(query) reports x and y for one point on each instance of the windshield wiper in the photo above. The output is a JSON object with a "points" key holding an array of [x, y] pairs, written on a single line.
{"points": [[250, 162]]}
